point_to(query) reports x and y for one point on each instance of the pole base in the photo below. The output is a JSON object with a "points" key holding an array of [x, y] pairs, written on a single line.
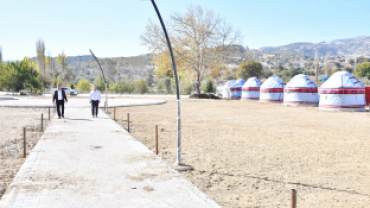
{"points": [[182, 167]]}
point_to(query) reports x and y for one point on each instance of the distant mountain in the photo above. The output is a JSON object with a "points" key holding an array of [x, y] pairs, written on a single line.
{"points": [[343, 47]]}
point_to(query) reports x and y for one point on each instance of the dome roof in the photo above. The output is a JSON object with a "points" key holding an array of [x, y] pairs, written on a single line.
{"points": [[342, 79], [252, 82], [229, 83], [273, 82], [238, 83], [301, 81]]}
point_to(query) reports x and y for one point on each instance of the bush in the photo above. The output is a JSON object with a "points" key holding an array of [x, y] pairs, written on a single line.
{"points": [[118, 87], [208, 86], [72, 86], [128, 87], [83, 85], [188, 88], [141, 86]]}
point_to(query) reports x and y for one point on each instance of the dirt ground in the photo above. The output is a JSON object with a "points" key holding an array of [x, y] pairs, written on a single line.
{"points": [[249, 154], [12, 121]]}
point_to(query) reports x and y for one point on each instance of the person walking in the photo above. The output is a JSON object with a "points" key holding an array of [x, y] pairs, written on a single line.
{"points": [[95, 98], [60, 97]]}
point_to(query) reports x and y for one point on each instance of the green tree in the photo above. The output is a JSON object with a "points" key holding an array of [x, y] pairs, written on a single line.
{"points": [[141, 86], [99, 83], [249, 69], [363, 70], [20, 75], [118, 86], [83, 85], [208, 86], [292, 72]]}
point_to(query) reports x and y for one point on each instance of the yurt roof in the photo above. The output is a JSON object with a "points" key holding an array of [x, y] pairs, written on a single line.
{"points": [[342, 79], [239, 83], [301, 81], [252, 82], [273, 82], [229, 83]]}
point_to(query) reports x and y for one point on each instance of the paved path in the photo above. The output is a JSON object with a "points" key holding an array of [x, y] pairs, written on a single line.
{"points": [[86, 162], [22, 102]]}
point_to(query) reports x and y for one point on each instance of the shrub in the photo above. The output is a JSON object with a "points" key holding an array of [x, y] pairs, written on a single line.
{"points": [[141, 86], [188, 88], [207, 86], [128, 87], [83, 85]]}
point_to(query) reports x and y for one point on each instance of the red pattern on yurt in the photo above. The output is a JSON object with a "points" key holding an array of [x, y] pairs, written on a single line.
{"points": [[272, 90], [252, 89], [342, 91], [301, 90]]}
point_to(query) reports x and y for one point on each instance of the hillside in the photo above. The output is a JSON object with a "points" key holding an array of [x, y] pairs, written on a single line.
{"points": [[341, 47]]}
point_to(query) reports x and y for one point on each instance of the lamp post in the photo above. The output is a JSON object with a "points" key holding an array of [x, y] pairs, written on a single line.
{"points": [[105, 82], [178, 164]]}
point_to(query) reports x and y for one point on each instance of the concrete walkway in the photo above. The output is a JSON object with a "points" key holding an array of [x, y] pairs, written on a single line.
{"points": [[93, 162], [78, 103]]}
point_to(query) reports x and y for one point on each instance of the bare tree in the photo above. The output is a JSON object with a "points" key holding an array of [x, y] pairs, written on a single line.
{"points": [[40, 49], [200, 41]]}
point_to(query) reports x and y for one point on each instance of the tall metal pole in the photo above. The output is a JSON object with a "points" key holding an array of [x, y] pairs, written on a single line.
{"points": [[179, 165], [105, 82]]}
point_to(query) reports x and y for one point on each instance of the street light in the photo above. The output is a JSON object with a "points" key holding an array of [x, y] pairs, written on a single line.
{"points": [[178, 163], [105, 82]]}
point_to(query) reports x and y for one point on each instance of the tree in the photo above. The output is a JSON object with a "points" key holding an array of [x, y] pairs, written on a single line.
{"points": [[83, 85], [1, 55], [249, 69], [49, 62], [292, 72], [363, 70], [141, 86], [20, 75], [99, 83], [199, 40], [56, 82], [40, 59], [317, 64], [62, 60], [208, 86]]}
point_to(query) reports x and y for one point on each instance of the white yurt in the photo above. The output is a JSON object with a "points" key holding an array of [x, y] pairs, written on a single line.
{"points": [[251, 89], [226, 93], [236, 89], [342, 92], [272, 90], [301, 91]]}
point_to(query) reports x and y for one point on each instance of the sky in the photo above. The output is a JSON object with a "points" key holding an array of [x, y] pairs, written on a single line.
{"points": [[112, 28]]}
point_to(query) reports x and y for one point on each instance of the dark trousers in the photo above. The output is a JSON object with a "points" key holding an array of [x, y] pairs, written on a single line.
{"points": [[94, 107], [60, 103]]}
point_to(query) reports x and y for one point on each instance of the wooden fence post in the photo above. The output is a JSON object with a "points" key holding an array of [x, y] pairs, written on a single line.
{"points": [[42, 122], [156, 139], [294, 199], [49, 113], [128, 122], [24, 142]]}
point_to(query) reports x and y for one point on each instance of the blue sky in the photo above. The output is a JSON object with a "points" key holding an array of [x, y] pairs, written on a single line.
{"points": [[112, 28]]}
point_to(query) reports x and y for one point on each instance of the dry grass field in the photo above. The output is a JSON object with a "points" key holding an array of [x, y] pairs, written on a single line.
{"points": [[12, 121], [248, 154]]}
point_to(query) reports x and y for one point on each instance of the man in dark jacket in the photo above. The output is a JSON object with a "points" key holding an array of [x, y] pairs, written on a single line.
{"points": [[60, 96]]}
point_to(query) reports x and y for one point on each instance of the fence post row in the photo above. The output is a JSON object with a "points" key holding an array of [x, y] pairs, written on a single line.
{"points": [[24, 142], [156, 139]]}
